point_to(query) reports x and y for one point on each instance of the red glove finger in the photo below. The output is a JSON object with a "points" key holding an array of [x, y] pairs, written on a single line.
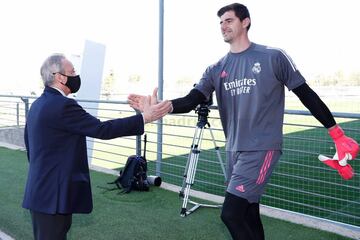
{"points": [[346, 172]]}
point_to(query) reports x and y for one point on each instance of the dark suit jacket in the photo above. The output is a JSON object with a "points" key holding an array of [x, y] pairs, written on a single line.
{"points": [[55, 139]]}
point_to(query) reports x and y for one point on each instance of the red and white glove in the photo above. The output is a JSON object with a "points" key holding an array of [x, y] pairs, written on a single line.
{"points": [[346, 172], [346, 148]]}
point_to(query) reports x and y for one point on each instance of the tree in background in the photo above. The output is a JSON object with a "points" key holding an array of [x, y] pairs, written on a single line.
{"points": [[354, 79], [338, 78], [134, 78], [107, 86]]}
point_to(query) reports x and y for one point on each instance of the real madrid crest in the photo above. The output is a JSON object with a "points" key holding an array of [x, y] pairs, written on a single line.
{"points": [[256, 68]]}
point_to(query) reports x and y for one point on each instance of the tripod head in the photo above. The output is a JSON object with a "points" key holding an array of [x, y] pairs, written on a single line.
{"points": [[203, 112]]}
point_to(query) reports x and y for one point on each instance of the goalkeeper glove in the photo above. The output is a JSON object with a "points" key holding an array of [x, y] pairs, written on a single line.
{"points": [[346, 148], [346, 172]]}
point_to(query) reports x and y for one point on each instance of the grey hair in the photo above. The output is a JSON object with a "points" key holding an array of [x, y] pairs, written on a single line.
{"points": [[51, 65]]}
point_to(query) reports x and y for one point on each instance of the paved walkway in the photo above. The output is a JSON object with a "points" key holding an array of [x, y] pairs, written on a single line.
{"points": [[4, 236], [11, 146]]}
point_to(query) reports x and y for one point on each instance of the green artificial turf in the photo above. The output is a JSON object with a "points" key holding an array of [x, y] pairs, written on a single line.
{"points": [[138, 215]]}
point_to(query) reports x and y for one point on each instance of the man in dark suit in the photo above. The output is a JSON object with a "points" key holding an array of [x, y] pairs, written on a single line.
{"points": [[58, 183]]}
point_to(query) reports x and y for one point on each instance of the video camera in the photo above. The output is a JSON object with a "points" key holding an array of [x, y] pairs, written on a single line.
{"points": [[205, 104], [203, 111]]}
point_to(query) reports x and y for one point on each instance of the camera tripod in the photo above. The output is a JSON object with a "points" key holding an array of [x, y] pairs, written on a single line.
{"points": [[192, 162]]}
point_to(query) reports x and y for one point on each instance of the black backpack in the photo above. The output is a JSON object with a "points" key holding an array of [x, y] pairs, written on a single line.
{"points": [[133, 176]]}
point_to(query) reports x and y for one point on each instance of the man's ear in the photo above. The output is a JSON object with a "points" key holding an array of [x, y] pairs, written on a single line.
{"points": [[59, 78], [246, 22]]}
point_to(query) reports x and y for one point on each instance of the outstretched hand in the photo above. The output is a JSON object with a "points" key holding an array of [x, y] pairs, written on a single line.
{"points": [[153, 112], [137, 101], [149, 106]]}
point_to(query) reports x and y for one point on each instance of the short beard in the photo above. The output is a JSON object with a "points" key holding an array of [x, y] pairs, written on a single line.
{"points": [[227, 40]]}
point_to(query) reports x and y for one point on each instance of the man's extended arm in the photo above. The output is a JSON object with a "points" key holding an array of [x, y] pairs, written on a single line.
{"points": [[346, 148], [315, 105], [187, 103]]}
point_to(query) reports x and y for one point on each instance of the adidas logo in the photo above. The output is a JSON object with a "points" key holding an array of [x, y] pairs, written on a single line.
{"points": [[240, 188]]}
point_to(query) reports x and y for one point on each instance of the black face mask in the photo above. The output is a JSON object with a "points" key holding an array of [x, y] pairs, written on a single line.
{"points": [[73, 82]]}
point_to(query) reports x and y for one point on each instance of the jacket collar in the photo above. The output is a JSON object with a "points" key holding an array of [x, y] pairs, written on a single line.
{"points": [[52, 90]]}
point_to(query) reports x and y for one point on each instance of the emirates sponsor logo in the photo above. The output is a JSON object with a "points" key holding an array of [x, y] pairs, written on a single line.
{"points": [[240, 86]]}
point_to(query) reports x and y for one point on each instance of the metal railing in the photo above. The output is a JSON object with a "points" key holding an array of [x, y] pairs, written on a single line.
{"points": [[300, 183]]}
